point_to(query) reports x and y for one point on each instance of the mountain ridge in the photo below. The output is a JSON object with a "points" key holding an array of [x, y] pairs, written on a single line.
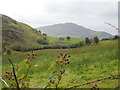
{"points": [[64, 29]]}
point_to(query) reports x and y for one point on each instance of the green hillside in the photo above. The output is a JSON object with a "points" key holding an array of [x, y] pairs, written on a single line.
{"points": [[18, 34]]}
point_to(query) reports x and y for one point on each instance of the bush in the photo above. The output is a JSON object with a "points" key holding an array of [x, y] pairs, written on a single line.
{"points": [[44, 42], [8, 52], [44, 34], [116, 37], [81, 43], [23, 48], [96, 40], [16, 48], [87, 41], [61, 38]]}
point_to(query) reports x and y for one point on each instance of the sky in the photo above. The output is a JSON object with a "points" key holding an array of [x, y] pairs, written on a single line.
{"points": [[91, 14]]}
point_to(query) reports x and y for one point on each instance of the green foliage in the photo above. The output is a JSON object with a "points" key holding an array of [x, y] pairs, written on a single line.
{"points": [[87, 41], [44, 34], [8, 52], [58, 70], [61, 38], [87, 64], [96, 40], [116, 37], [68, 38], [16, 48], [43, 41], [22, 71]]}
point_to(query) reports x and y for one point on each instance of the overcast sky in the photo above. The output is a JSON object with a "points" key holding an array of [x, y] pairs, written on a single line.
{"points": [[37, 13]]}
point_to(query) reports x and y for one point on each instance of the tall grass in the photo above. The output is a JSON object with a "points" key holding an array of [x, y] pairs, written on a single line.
{"points": [[87, 63]]}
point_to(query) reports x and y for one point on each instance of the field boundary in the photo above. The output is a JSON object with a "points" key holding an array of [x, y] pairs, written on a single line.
{"points": [[94, 81]]}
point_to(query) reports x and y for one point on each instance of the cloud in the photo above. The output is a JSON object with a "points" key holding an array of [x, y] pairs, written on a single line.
{"points": [[39, 13]]}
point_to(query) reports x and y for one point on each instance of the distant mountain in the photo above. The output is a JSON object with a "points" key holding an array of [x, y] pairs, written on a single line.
{"points": [[16, 34], [73, 30]]}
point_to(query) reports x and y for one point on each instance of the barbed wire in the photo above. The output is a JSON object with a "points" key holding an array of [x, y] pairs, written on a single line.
{"points": [[94, 81], [113, 26]]}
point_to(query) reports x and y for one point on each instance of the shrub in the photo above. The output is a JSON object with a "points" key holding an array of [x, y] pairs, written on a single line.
{"points": [[96, 40], [44, 42], [20, 75], [87, 41], [61, 38], [16, 48], [116, 37], [44, 34], [81, 43], [8, 52], [68, 38], [58, 70]]}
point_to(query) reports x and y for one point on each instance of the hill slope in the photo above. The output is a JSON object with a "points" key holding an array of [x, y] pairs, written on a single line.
{"points": [[17, 33], [21, 37], [72, 30]]}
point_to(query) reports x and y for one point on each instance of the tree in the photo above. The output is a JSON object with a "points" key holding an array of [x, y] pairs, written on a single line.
{"points": [[96, 40], [39, 31], [81, 43], [44, 34], [68, 38], [116, 37], [87, 41]]}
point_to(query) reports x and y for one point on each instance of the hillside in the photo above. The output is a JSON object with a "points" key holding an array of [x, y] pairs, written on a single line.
{"points": [[16, 34], [73, 30]]}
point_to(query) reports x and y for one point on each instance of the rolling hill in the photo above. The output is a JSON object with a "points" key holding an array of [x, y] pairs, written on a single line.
{"points": [[16, 34], [73, 30], [19, 36]]}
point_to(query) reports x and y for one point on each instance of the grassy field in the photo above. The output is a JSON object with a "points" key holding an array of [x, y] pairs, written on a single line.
{"points": [[87, 64], [65, 41]]}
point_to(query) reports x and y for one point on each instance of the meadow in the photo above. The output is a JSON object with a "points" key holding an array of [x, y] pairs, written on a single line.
{"points": [[56, 40], [87, 63]]}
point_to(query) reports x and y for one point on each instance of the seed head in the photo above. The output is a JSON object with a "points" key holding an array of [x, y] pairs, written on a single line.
{"points": [[67, 59], [31, 55], [68, 62], [68, 56], [62, 71], [65, 54], [61, 54], [58, 56], [52, 81], [57, 61], [94, 86]]}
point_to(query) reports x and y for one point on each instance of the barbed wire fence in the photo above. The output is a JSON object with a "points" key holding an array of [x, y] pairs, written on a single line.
{"points": [[110, 77]]}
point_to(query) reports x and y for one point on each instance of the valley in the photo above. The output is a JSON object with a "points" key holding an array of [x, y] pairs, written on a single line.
{"points": [[83, 59]]}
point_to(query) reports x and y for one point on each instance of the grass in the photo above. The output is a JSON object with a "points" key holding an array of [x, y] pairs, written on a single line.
{"points": [[87, 64], [65, 41]]}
